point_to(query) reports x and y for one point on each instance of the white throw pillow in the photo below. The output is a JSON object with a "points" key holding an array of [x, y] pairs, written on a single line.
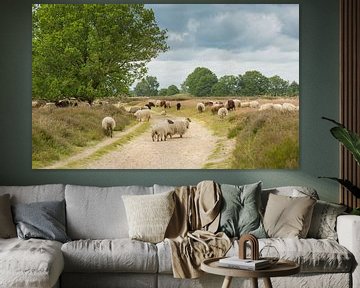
{"points": [[149, 215]]}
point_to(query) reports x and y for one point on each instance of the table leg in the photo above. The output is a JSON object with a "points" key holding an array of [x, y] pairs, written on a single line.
{"points": [[267, 283], [254, 282], [227, 282]]}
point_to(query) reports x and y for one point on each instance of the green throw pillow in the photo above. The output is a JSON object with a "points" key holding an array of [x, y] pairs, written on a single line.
{"points": [[240, 213]]}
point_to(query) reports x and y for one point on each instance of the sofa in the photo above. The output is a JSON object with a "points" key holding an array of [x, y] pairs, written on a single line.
{"points": [[101, 254]]}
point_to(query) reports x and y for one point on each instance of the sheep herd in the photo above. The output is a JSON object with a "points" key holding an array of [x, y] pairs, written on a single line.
{"points": [[166, 128]]}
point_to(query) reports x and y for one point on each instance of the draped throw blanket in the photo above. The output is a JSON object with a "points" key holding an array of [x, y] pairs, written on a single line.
{"points": [[191, 231]]}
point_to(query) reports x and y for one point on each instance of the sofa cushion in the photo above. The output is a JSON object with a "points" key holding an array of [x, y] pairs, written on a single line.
{"points": [[30, 263], [323, 222], [43, 220], [7, 226], [287, 216], [116, 255], [149, 215], [240, 210], [291, 191], [34, 193], [98, 212]]}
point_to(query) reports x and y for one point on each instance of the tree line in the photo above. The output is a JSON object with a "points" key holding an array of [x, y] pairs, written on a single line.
{"points": [[203, 82]]}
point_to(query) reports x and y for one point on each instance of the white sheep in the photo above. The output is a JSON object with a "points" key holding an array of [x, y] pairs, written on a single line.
{"points": [[223, 112], [160, 131], [108, 124], [288, 107], [277, 107], [157, 103], [143, 115], [167, 104], [237, 103], [266, 106], [178, 126], [254, 104], [200, 107], [244, 104]]}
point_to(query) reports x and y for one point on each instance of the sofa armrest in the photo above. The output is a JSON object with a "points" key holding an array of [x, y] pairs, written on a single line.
{"points": [[348, 230]]}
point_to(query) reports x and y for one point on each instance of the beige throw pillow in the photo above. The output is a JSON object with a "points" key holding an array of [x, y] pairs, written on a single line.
{"points": [[148, 215], [288, 217], [7, 226]]}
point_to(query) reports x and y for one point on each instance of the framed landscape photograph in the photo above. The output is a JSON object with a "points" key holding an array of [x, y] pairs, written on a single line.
{"points": [[165, 86]]}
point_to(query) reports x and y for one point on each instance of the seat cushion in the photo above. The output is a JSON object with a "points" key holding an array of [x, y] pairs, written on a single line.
{"points": [[30, 263], [117, 255], [313, 255]]}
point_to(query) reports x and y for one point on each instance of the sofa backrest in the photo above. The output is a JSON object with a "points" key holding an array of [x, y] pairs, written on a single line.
{"points": [[98, 212], [34, 193]]}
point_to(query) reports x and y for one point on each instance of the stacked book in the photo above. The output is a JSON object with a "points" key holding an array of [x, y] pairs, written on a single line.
{"points": [[248, 264]]}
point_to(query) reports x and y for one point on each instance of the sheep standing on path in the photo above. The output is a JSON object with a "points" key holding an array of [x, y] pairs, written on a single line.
{"points": [[178, 126], [108, 124]]}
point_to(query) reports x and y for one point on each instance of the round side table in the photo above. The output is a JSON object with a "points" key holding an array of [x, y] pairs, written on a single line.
{"points": [[281, 268]]}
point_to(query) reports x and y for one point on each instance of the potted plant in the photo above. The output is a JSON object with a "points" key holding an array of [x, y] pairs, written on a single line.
{"points": [[351, 141]]}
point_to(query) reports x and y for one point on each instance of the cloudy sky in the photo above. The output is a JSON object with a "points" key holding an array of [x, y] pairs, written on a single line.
{"points": [[227, 39]]}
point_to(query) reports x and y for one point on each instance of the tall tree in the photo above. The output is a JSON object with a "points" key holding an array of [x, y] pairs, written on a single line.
{"points": [[148, 86], [226, 86], [293, 89], [172, 90], [92, 50], [200, 81], [253, 83], [277, 86]]}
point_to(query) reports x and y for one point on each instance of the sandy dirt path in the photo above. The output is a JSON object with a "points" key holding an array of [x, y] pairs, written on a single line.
{"points": [[189, 152]]}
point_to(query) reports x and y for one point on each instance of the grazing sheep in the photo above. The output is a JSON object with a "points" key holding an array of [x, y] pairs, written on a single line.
{"points": [[288, 107], [157, 103], [277, 107], [209, 103], [223, 112], [108, 124], [254, 104], [200, 107], [133, 109], [215, 108], [245, 104], [178, 126], [178, 106], [267, 106], [230, 105], [142, 115], [237, 103], [151, 104], [167, 104], [146, 106]]}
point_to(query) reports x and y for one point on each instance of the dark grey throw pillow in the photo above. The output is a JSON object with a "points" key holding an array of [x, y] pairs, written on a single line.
{"points": [[240, 213], [44, 220]]}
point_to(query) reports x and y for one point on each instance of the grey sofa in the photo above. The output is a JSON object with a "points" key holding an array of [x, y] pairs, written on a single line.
{"points": [[101, 254]]}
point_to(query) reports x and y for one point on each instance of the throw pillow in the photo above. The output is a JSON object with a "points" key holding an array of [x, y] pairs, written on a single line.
{"points": [[288, 217], [7, 226], [323, 222], [240, 213], [149, 215], [44, 220]]}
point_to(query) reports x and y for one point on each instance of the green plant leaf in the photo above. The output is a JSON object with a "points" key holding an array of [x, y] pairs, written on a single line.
{"points": [[348, 138], [347, 184]]}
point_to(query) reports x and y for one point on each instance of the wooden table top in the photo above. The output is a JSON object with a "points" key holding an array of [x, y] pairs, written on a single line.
{"points": [[281, 268]]}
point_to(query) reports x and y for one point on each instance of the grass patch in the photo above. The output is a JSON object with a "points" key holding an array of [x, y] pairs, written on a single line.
{"points": [[269, 139], [61, 132]]}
